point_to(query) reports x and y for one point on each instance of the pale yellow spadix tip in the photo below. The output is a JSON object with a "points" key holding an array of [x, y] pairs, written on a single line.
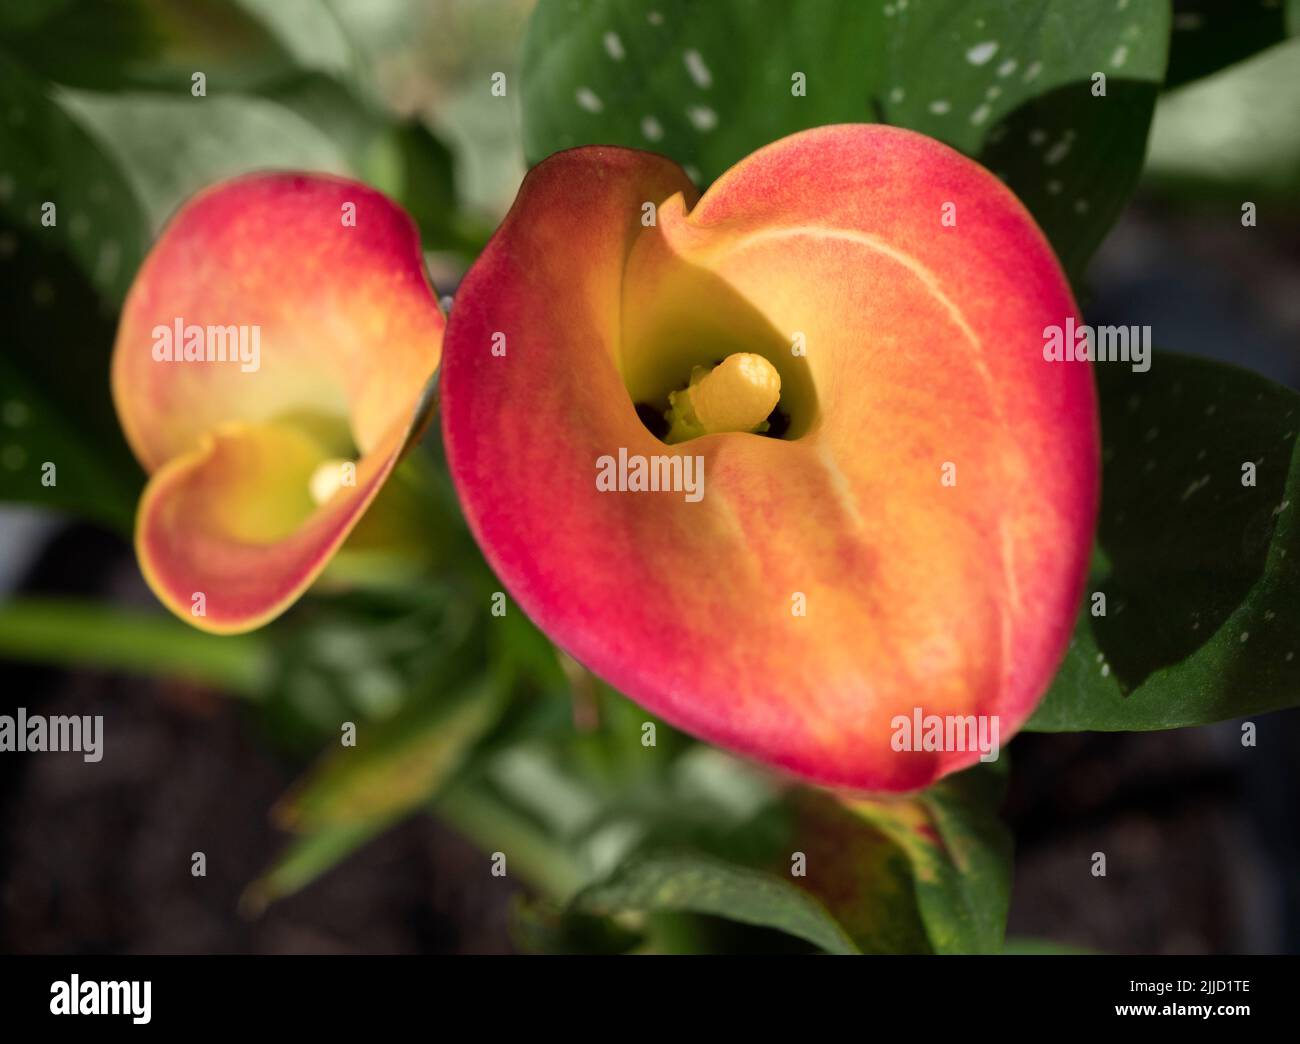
{"points": [[738, 394], [328, 477]]}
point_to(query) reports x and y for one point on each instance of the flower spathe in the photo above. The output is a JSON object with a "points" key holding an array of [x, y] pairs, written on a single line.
{"points": [[914, 529], [262, 460]]}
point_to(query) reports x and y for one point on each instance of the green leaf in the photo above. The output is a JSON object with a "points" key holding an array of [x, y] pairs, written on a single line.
{"points": [[1027, 111], [171, 145], [395, 766], [635, 73], [312, 33], [1232, 137], [702, 885], [536, 856], [305, 859], [50, 454], [1007, 83], [1200, 573], [160, 44], [58, 263], [150, 150], [859, 872], [1209, 35], [960, 856], [539, 927], [368, 655], [111, 638], [355, 793], [49, 158], [419, 172]]}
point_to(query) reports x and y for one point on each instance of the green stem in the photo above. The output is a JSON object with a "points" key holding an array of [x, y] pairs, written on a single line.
{"points": [[104, 637], [494, 827]]}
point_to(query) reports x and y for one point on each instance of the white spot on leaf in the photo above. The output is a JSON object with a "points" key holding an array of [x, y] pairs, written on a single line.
{"points": [[699, 72], [1056, 153], [702, 117]]}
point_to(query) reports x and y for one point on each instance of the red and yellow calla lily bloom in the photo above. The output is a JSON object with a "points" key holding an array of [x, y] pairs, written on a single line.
{"points": [[268, 373], [908, 528]]}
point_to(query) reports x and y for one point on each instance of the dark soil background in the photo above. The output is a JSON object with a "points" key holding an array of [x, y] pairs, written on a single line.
{"points": [[96, 858]]}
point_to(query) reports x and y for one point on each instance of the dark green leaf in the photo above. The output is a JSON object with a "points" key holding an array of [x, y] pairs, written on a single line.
{"points": [[698, 884], [1008, 83], [859, 872], [60, 446], [960, 856], [1015, 82], [49, 158], [48, 460], [704, 83], [116, 44], [421, 176], [1200, 572], [539, 927], [1209, 35]]}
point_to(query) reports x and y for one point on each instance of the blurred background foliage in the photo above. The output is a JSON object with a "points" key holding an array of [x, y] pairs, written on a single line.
{"points": [[473, 720]]}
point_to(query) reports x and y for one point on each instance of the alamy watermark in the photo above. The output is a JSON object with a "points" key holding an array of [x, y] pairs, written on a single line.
{"points": [[662, 473], [75, 997], [1083, 343], [190, 342], [23, 732], [947, 732]]}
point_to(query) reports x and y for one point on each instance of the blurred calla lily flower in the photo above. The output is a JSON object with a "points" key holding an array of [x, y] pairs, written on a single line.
{"points": [[785, 463], [268, 373]]}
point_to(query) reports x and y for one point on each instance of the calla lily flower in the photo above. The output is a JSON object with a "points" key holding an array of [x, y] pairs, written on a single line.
{"points": [[908, 528], [268, 373]]}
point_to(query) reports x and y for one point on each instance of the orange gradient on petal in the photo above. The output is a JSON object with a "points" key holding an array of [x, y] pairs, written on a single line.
{"points": [[325, 277], [908, 352]]}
